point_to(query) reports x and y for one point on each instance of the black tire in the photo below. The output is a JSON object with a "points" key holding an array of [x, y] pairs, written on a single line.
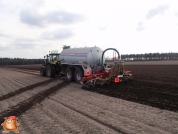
{"points": [[50, 71], [78, 75], [69, 74], [42, 72]]}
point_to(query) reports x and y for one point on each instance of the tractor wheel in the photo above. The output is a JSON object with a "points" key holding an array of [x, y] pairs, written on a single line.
{"points": [[78, 75], [69, 74], [42, 72], [50, 71]]}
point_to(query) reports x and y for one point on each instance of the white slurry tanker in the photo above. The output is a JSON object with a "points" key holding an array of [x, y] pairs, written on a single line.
{"points": [[85, 65]]}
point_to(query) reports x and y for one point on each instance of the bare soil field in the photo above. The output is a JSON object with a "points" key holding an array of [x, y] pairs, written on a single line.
{"points": [[149, 104], [154, 85]]}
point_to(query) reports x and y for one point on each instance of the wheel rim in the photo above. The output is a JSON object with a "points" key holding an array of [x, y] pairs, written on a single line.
{"points": [[68, 74], [78, 75]]}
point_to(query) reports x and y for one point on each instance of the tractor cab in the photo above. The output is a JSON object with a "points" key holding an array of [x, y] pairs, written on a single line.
{"points": [[52, 58]]}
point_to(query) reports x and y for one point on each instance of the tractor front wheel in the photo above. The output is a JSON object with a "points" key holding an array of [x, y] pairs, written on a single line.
{"points": [[42, 72], [50, 71]]}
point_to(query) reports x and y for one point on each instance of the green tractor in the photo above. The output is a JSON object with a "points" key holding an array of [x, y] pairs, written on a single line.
{"points": [[51, 65]]}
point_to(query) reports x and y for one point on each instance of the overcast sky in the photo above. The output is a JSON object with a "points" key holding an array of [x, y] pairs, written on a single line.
{"points": [[32, 28]]}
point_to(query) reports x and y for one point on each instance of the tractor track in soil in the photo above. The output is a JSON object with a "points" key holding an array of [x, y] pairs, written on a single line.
{"points": [[29, 103], [24, 89]]}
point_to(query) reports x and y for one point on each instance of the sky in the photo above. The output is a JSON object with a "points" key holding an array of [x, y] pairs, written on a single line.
{"points": [[32, 28]]}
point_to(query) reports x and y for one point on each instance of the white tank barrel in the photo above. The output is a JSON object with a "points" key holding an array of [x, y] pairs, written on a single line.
{"points": [[89, 55]]}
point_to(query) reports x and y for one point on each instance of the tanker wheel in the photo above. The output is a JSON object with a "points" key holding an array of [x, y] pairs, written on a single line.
{"points": [[50, 71], [42, 72], [78, 75], [69, 74]]}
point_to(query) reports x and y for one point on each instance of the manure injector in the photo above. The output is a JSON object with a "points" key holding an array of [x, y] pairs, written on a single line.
{"points": [[85, 65]]}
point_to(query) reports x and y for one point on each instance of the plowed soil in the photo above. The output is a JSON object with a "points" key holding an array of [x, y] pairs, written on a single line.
{"points": [[153, 85]]}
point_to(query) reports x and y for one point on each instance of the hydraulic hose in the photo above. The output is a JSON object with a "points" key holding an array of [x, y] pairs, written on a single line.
{"points": [[107, 50]]}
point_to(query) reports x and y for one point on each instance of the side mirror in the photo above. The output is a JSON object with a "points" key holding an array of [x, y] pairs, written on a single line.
{"points": [[47, 56], [44, 57]]}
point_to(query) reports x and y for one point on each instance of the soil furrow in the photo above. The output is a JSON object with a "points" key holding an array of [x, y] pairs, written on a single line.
{"points": [[90, 117], [12, 80], [21, 90], [12, 101], [29, 103], [103, 115]]}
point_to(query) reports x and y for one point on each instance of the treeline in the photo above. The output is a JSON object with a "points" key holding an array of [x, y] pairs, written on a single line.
{"points": [[150, 56], [19, 61]]}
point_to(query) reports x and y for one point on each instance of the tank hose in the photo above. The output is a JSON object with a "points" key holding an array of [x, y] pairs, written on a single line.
{"points": [[115, 71]]}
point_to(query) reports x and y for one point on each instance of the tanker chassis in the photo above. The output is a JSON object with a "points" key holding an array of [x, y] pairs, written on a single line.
{"points": [[86, 66]]}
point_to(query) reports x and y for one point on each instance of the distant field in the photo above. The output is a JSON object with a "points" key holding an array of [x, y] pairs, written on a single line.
{"points": [[165, 62], [31, 67]]}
